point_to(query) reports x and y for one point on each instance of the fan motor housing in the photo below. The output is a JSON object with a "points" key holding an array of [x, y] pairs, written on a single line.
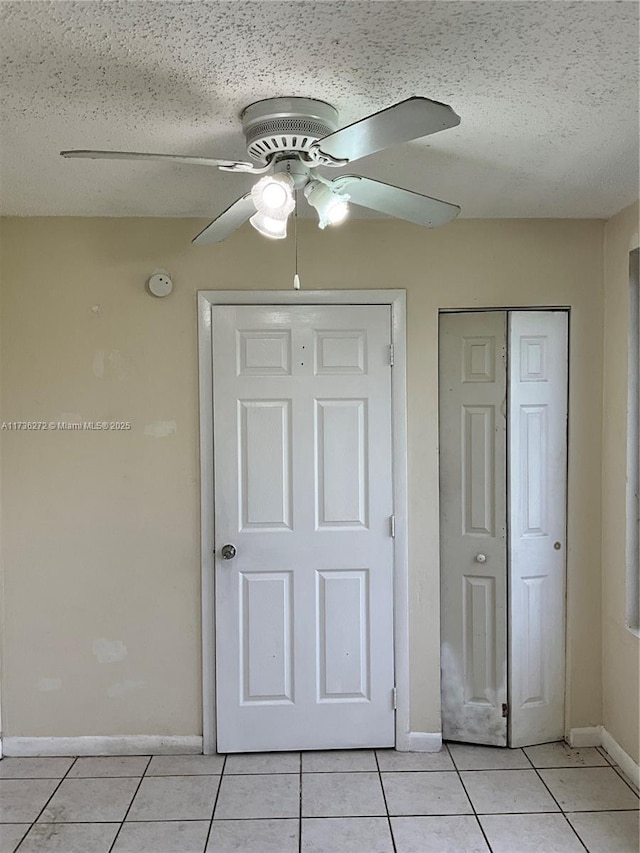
{"points": [[286, 124]]}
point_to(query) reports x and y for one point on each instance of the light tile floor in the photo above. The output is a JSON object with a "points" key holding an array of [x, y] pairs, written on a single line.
{"points": [[549, 799]]}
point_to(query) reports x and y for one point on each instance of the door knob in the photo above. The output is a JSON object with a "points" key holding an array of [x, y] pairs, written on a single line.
{"points": [[228, 552], [481, 558]]}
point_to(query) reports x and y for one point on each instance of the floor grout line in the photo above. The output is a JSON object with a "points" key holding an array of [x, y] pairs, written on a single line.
{"points": [[330, 817], [199, 775], [340, 817], [603, 752], [147, 766], [464, 788], [135, 794], [26, 832], [560, 807], [423, 770], [33, 823], [215, 802], [626, 781], [386, 806]]}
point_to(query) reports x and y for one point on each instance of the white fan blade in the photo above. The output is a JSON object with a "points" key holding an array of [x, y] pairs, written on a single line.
{"points": [[397, 202], [234, 165], [402, 122], [225, 224]]}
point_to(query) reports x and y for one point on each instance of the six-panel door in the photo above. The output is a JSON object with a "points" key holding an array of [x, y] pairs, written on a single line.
{"points": [[303, 491], [537, 524], [473, 526]]}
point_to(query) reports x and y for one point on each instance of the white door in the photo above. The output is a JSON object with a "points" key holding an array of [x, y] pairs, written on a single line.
{"points": [[503, 406], [303, 492], [537, 523], [473, 556]]}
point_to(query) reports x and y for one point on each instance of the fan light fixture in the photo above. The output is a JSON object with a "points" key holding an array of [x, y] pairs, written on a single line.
{"points": [[293, 136], [269, 227], [274, 201], [332, 206]]}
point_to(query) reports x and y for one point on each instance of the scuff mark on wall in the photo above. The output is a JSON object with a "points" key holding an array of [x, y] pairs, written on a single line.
{"points": [[98, 363], [46, 685], [109, 651], [118, 364], [160, 429], [110, 363], [121, 688]]}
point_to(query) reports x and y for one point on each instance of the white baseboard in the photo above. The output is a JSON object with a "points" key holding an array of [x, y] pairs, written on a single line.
{"points": [[621, 758], [588, 736], [108, 745], [419, 742], [599, 736]]}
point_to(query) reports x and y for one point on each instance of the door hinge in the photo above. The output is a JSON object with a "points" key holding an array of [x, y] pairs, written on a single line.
{"points": [[394, 698], [391, 354], [505, 709], [392, 526]]}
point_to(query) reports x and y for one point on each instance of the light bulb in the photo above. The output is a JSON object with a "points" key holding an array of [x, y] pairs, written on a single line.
{"points": [[332, 206], [268, 226], [273, 195], [337, 212]]}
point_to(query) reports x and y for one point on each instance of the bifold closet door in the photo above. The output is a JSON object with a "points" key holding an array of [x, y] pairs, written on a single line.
{"points": [[473, 511], [503, 408]]}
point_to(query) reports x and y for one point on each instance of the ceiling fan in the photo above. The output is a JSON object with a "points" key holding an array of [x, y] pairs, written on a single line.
{"points": [[290, 138]]}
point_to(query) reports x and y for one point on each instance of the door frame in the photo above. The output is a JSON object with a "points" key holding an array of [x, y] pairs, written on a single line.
{"points": [[480, 309], [396, 300]]}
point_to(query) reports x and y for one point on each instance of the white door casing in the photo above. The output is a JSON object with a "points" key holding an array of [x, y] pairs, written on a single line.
{"points": [[538, 382], [473, 527], [304, 491]]}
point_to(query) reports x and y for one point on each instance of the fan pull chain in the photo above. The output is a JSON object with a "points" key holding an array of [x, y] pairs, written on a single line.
{"points": [[296, 277]]}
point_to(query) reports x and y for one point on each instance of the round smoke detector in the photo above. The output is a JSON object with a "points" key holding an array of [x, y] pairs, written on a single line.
{"points": [[286, 124]]}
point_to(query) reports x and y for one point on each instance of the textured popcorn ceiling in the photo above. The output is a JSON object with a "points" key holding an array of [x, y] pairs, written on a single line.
{"points": [[547, 92]]}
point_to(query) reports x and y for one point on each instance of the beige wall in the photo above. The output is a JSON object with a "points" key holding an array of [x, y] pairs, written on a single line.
{"points": [[621, 659], [101, 531]]}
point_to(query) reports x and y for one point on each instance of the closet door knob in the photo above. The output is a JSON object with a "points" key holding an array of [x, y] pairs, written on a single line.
{"points": [[481, 558]]}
